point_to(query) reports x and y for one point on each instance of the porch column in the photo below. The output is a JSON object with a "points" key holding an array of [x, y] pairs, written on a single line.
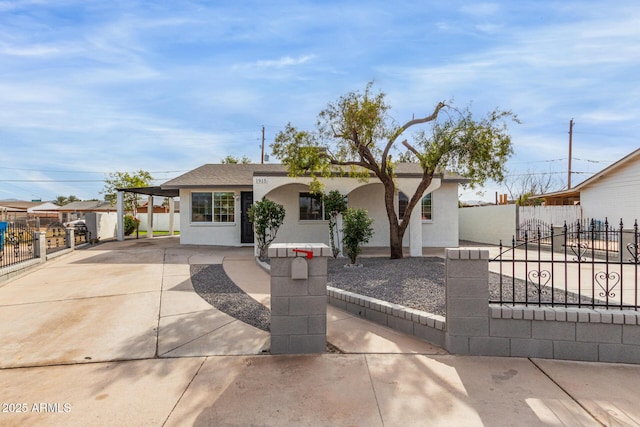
{"points": [[150, 216], [120, 212], [171, 212], [415, 232]]}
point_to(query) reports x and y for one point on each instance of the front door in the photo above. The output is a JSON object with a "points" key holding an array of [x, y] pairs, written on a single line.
{"points": [[246, 228]]}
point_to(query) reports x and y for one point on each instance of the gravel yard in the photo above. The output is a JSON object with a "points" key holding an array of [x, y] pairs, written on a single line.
{"points": [[419, 283], [412, 282]]}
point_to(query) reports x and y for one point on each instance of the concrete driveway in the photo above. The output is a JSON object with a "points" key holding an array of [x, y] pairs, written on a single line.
{"points": [[115, 335]]}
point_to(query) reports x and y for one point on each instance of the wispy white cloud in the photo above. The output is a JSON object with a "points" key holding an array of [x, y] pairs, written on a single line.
{"points": [[285, 61]]}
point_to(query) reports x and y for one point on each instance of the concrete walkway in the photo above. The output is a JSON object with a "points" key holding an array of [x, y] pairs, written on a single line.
{"points": [[115, 335]]}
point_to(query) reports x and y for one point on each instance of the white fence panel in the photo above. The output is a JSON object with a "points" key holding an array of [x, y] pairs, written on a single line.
{"points": [[556, 215], [160, 221]]}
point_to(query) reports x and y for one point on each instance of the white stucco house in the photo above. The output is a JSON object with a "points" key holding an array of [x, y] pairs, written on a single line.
{"points": [[613, 193], [215, 198]]}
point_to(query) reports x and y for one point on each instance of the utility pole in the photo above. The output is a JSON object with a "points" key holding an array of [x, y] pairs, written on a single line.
{"points": [[570, 143], [262, 158]]}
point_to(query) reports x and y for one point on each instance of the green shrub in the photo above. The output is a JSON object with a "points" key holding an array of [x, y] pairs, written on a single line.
{"points": [[334, 203], [130, 224], [266, 216], [357, 230]]}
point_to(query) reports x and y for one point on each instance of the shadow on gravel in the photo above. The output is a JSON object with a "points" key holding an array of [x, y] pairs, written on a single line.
{"points": [[215, 287]]}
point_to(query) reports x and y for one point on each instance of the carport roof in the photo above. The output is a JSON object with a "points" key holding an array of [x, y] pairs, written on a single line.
{"points": [[152, 191]]}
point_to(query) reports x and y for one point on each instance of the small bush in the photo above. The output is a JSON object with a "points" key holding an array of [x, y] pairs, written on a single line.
{"points": [[357, 230], [130, 224], [266, 216]]}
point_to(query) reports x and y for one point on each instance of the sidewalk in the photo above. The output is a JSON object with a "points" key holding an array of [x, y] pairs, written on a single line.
{"points": [[115, 335]]}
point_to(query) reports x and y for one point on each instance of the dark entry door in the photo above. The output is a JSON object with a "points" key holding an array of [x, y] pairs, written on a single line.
{"points": [[246, 228]]}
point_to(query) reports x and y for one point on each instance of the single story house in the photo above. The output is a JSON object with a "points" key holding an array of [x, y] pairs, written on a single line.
{"points": [[77, 210], [215, 199], [612, 193]]}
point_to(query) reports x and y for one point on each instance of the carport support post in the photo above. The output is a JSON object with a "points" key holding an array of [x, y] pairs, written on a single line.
{"points": [[120, 210], [171, 213], [298, 297], [150, 216]]}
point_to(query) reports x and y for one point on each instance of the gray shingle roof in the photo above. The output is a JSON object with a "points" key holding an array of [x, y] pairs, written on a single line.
{"points": [[87, 206], [227, 175], [216, 175]]}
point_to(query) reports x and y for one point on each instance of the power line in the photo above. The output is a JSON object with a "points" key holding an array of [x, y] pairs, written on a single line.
{"points": [[51, 180], [72, 171]]}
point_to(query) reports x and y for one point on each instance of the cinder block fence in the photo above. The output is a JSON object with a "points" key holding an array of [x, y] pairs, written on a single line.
{"points": [[474, 327]]}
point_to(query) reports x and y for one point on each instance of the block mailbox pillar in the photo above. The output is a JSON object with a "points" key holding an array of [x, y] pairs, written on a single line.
{"points": [[298, 297]]}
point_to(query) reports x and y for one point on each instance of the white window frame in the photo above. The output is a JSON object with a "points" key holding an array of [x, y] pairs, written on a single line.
{"points": [[213, 210]]}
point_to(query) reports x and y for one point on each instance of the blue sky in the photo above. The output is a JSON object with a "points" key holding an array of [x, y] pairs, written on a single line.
{"points": [[90, 87]]}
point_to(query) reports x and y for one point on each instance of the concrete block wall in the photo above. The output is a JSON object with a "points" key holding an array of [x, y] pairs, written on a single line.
{"points": [[566, 333], [298, 306], [474, 327], [425, 326], [467, 296]]}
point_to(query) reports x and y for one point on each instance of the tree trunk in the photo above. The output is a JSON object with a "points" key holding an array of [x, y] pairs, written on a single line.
{"points": [[395, 233], [395, 243]]}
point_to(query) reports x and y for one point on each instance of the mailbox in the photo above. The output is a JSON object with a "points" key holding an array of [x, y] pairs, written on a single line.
{"points": [[299, 269]]}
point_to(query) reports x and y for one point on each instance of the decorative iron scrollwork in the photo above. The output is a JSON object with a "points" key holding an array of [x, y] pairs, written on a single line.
{"points": [[579, 249], [540, 279], [634, 250], [604, 279]]}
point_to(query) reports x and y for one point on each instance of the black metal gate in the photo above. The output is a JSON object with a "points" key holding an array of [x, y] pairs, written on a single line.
{"points": [[595, 267], [56, 237], [16, 243]]}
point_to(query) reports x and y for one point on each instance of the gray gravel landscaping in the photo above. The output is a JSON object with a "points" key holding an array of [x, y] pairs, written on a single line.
{"points": [[412, 282], [215, 287], [419, 283]]}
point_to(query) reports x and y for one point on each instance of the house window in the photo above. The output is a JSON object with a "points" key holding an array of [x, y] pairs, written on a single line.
{"points": [[224, 207], [426, 205], [403, 201], [213, 207], [426, 208], [311, 207], [201, 207]]}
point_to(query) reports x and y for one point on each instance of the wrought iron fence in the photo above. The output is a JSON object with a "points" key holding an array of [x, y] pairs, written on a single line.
{"points": [[592, 267], [81, 234], [531, 227], [56, 237], [16, 243], [602, 236]]}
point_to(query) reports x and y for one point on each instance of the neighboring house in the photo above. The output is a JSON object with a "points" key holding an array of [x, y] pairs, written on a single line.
{"points": [[77, 210], [612, 193], [215, 199], [45, 212], [143, 206]]}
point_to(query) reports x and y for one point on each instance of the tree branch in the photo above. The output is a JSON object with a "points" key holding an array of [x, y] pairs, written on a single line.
{"points": [[406, 126], [411, 148], [350, 163]]}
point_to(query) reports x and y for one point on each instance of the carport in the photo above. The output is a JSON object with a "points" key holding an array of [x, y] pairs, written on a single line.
{"points": [[171, 194]]}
